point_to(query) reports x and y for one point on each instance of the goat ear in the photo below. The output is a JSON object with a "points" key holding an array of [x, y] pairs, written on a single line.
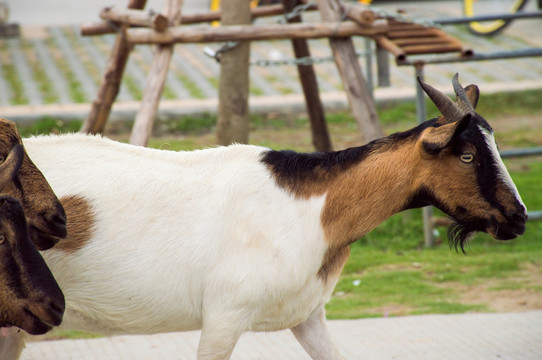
{"points": [[434, 139], [11, 165], [473, 93]]}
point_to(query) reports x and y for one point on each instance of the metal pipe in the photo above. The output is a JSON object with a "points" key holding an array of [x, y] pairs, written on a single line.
{"points": [[521, 152], [466, 20], [474, 57], [421, 113], [369, 66]]}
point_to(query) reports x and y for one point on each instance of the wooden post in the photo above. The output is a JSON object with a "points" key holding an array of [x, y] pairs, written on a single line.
{"points": [[109, 89], [361, 104], [142, 129], [309, 83], [232, 118]]}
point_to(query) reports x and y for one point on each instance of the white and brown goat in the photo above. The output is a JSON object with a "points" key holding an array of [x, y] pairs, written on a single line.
{"points": [[30, 298], [244, 238]]}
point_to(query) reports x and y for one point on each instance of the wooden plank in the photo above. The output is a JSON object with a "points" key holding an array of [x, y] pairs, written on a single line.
{"points": [[202, 34], [361, 102], [320, 134], [430, 49], [109, 88], [416, 41], [155, 82], [405, 26], [411, 33]]}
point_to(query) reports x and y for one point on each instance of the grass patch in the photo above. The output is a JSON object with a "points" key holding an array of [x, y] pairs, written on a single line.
{"points": [[191, 86], [76, 91], [88, 63], [133, 87], [50, 125], [45, 86], [9, 73]]}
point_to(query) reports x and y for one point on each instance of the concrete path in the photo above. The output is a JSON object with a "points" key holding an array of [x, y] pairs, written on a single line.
{"points": [[514, 336]]}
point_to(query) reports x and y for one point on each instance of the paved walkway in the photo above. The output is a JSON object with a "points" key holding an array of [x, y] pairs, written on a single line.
{"points": [[514, 336]]}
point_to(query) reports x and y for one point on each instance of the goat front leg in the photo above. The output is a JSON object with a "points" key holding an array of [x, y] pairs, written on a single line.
{"points": [[314, 337], [12, 342], [219, 335]]}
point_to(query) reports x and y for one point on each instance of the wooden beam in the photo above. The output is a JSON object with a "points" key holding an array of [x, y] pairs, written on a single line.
{"points": [[355, 86], [315, 109], [156, 78], [135, 17], [109, 88], [355, 13], [9, 30], [202, 34], [102, 27]]}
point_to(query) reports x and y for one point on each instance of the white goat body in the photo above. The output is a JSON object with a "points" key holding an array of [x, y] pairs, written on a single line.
{"points": [[183, 240]]}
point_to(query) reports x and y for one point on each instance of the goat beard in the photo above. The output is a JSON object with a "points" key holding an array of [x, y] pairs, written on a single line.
{"points": [[459, 235]]}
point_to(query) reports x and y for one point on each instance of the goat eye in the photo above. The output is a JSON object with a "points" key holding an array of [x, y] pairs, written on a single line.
{"points": [[467, 158], [2, 238]]}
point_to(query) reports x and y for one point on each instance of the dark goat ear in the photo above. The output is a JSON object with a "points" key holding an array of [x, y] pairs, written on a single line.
{"points": [[434, 139], [473, 93], [11, 165]]}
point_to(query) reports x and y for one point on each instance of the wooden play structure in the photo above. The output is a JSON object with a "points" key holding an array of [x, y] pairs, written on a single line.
{"points": [[340, 21]]}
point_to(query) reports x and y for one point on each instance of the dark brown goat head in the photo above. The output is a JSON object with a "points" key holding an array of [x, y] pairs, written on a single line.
{"points": [[45, 215], [29, 295], [460, 151]]}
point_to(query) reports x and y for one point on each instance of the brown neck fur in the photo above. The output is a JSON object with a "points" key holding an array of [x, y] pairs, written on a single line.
{"points": [[368, 193], [362, 197]]}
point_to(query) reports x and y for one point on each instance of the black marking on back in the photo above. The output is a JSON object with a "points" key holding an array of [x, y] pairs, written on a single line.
{"points": [[290, 167]]}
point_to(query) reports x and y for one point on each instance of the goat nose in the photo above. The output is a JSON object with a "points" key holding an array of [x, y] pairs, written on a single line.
{"points": [[520, 217], [56, 311], [57, 223], [58, 220], [517, 219]]}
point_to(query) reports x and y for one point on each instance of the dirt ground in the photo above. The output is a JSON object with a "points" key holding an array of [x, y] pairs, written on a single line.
{"points": [[525, 296]]}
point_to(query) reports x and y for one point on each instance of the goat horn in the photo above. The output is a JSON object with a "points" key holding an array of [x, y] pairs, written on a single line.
{"points": [[462, 98], [449, 109]]}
